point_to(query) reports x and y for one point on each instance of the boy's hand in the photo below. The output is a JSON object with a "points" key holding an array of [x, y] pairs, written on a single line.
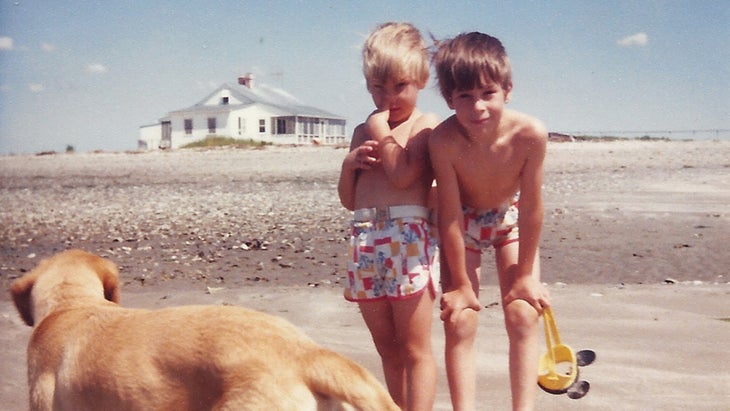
{"points": [[376, 126], [528, 289], [364, 156], [455, 301]]}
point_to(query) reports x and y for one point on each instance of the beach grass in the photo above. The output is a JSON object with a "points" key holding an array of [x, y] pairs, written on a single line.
{"points": [[219, 141]]}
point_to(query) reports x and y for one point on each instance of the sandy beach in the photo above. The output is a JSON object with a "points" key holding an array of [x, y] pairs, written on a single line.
{"points": [[634, 251]]}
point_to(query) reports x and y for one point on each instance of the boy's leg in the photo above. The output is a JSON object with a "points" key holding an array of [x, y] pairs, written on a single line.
{"points": [[521, 321], [378, 316], [413, 318], [459, 346]]}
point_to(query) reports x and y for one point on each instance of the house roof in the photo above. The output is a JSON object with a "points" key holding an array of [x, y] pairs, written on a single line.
{"points": [[276, 98]]}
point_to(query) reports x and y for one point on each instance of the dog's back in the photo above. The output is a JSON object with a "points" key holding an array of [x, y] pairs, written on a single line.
{"points": [[97, 355]]}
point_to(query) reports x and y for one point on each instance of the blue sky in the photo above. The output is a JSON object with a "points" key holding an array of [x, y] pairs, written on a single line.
{"points": [[89, 73]]}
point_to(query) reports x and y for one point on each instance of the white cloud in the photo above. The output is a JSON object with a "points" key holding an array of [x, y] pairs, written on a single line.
{"points": [[36, 87], [6, 43], [48, 47], [96, 68], [639, 39]]}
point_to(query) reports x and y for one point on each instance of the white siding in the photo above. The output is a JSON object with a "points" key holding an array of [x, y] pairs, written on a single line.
{"points": [[149, 137]]}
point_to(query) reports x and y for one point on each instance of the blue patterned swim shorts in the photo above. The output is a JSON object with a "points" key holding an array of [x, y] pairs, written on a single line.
{"points": [[389, 259]]}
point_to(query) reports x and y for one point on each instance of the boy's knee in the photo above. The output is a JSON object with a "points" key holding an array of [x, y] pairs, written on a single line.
{"points": [[465, 327], [416, 353], [388, 347], [392, 356], [520, 317]]}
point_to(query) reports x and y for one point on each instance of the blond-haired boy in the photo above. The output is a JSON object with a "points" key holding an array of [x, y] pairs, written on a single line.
{"points": [[488, 162], [385, 179]]}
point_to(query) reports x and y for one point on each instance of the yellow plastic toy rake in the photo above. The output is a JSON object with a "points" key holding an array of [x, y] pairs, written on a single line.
{"points": [[558, 366]]}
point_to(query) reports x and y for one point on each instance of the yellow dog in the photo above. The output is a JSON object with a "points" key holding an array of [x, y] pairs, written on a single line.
{"points": [[88, 353]]}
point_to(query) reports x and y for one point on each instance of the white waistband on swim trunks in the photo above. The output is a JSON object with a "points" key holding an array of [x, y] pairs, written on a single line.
{"points": [[387, 213]]}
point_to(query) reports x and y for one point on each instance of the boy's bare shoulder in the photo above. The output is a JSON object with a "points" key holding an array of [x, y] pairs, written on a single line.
{"points": [[422, 129], [441, 140], [444, 131], [526, 128], [427, 120], [359, 129], [358, 136]]}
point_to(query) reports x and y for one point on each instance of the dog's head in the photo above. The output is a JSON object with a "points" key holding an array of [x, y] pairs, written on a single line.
{"points": [[61, 279]]}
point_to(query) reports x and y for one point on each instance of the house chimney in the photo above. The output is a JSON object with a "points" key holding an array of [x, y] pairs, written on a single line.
{"points": [[246, 80]]}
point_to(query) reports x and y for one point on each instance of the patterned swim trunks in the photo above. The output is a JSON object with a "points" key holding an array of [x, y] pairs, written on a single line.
{"points": [[491, 228], [389, 259]]}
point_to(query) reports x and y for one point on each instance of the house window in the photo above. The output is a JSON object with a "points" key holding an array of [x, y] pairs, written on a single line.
{"points": [[241, 125], [224, 101], [211, 125], [188, 126], [280, 126], [335, 129], [262, 126]]}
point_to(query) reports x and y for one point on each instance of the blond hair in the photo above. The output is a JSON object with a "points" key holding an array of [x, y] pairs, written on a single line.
{"points": [[395, 51], [469, 61]]}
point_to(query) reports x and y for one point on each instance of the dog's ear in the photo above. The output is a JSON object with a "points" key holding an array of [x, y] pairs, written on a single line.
{"points": [[20, 290], [109, 275]]}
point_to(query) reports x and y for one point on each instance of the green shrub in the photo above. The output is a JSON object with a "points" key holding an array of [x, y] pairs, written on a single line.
{"points": [[220, 141]]}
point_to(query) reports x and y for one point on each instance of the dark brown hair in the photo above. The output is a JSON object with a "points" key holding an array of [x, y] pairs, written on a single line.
{"points": [[471, 60]]}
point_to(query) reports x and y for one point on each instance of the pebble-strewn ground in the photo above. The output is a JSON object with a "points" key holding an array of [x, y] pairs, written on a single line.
{"points": [[633, 212], [219, 216]]}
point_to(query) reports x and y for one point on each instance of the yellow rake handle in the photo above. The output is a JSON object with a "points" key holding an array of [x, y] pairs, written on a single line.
{"points": [[550, 330]]}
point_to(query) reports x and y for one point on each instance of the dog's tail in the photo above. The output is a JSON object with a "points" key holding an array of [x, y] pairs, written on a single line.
{"points": [[331, 375]]}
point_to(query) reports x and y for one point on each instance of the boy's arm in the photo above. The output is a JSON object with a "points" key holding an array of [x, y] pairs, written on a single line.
{"points": [[526, 286], [402, 165], [363, 153], [459, 294]]}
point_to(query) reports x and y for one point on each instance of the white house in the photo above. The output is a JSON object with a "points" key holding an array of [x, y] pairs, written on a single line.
{"points": [[242, 111]]}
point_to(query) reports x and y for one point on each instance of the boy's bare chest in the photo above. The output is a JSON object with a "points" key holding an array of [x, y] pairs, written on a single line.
{"points": [[497, 160], [488, 174]]}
